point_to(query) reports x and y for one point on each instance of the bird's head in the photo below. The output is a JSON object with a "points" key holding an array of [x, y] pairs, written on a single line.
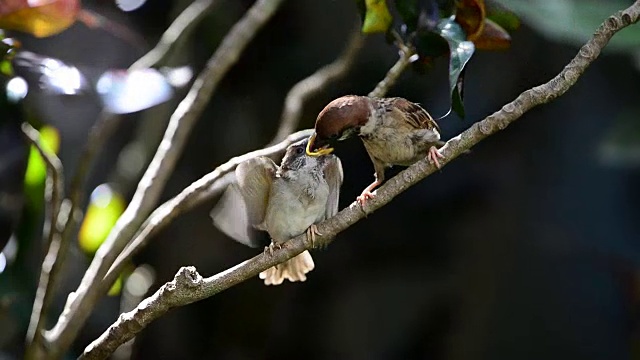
{"points": [[339, 120]]}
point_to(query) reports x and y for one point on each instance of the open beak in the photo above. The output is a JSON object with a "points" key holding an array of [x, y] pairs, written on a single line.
{"points": [[324, 150]]}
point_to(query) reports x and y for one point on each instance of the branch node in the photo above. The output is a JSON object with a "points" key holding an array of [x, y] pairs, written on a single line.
{"points": [[187, 276]]}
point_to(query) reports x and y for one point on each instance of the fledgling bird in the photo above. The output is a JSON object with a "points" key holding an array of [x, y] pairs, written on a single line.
{"points": [[394, 131], [284, 201]]}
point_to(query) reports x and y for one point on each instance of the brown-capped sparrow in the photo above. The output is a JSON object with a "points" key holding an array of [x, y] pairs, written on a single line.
{"points": [[394, 131], [284, 201]]}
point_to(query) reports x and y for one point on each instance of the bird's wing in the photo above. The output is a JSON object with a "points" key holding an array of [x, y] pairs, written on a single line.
{"points": [[255, 178], [334, 176], [244, 205], [416, 116]]}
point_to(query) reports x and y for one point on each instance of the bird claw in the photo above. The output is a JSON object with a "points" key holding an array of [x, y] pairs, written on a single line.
{"points": [[312, 231], [366, 195], [269, 249], [433, 156]]}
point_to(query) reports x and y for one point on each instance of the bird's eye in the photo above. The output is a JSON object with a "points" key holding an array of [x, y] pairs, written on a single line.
{"points": [[299, 150]]}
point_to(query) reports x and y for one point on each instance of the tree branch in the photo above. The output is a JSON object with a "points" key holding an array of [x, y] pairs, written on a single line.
{"points": [[188, 286], [180, 28], [217, 181], [394, 73], [79, 304], [54, 192], [314, 84]]}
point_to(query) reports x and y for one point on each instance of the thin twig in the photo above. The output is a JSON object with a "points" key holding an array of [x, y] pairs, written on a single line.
{"points": [[314, 84], [180, 28], [79, 304], [54, 192], [188, 286], [394, 73]]}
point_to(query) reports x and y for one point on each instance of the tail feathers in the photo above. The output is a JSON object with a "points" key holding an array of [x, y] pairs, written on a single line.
{"points": [[292, 270]]}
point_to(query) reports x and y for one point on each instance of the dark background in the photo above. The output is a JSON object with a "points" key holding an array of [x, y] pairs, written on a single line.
{"points": [[526, 248]]}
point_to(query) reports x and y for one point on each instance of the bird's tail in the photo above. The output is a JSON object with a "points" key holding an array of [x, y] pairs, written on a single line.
{"points": [[293, 270]]}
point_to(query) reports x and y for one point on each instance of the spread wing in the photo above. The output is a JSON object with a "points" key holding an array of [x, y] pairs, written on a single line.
{"points": [[244, 205], [255, 177], [417, 117], [334, 176]]}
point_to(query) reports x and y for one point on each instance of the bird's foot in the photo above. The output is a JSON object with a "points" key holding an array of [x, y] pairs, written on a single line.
{"points": [[273, 246], [433, 156], [366, 195], [312, 231]]}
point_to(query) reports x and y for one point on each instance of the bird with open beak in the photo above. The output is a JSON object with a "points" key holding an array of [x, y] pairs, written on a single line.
{"points": [[284, 201], [394, 131]]}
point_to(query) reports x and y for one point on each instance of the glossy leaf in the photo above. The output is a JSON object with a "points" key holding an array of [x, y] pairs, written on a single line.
{"points": [[36, 167], [460, 52], [40, 18], [377, 18], [105, 207], [470, 15]]}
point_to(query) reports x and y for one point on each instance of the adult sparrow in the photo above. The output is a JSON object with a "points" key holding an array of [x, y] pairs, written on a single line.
{"points": [[284, 201], [394, 131]]}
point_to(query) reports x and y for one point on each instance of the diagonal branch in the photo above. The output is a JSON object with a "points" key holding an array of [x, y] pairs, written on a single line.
{"points": [[188, 286], [79, 303], [215, 182]]}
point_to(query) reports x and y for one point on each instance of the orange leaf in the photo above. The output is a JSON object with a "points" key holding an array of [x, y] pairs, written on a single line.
{"points": [[493, 37], [40, 18], [470, 15]]}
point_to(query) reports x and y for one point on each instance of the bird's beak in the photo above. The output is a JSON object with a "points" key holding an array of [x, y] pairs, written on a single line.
{"points": [[324, 150]]}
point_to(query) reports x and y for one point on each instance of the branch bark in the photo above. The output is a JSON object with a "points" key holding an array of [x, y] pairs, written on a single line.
{"points": [[79, 304], [188, 286], [54, 193], [217, 181]]}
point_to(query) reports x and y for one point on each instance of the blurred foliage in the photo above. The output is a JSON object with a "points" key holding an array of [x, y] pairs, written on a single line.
{"points": [[105, 207], [621, 144], [36, 167], [40, 18], [574, 21], [436, 29]]}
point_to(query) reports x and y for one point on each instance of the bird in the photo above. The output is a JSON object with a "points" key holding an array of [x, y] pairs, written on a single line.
{"points": [[395, 131], [284, 201]]}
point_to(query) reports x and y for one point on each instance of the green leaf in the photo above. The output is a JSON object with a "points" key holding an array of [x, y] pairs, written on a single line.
{"points": [[377, 19], [36, 168], [460, 52], [104, 209], [116, 288]]}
